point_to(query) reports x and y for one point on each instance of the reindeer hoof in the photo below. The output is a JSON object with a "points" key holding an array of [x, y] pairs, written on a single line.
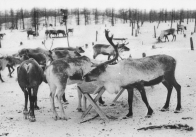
{"points": [[56, 118], [148, 116], [164, 109], [36, 108], [79, 110], [32, 119], [177, 111], [127, 117], [64, 118], [25, 114]]}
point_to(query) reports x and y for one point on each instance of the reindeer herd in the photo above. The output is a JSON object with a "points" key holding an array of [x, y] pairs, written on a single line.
{"points": [[62, 66]]}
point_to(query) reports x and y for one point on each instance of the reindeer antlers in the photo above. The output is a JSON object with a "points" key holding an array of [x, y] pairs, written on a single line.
{"points": [[43, 42], [115, 47]]}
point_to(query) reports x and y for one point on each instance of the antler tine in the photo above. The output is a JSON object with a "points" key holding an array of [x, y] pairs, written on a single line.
{"points": [[110, 39], [115, 47], [44, 44], [52, 44]]}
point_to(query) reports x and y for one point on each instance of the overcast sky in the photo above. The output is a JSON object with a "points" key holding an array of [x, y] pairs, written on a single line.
{"points": [[100, 4]]}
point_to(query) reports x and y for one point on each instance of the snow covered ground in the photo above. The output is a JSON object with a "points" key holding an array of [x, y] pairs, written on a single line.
{"points": [[12, 99]]}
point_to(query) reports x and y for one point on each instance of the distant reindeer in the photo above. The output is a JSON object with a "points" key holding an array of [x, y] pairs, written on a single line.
{"points": [[70, 31], [31, 32], [108, 49], [1, 35], [51, 32], [165, 33], [61, 32], [181, 28]]}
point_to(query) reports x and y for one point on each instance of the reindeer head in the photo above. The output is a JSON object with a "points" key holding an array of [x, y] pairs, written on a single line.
{"points": [[95, 73], [79, 50], [122, 46]]}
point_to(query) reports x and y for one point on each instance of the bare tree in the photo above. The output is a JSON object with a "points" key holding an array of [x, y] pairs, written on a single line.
{"points": [[35, 19], [22, 18]]}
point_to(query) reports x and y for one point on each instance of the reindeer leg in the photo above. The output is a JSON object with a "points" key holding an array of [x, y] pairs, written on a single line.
{"points": [[9, 71], [64, 99], [35, 98], [142, 91], [130, 100], [52, 94], [32, 100], [25, 111], [59, 94], [1, 78], [169, 88]]}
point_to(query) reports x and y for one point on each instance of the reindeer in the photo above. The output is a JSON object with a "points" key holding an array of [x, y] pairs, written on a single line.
{"points": [[30, 76], [1, 35], [137, 73], [70, 31], [39, 57], [31, 32], [61, 32], [108, 49], [165, 34], [49, 32], [68, 54], [12, 61], [63, 72], [3, 64], [77, 49], [181, 28]]}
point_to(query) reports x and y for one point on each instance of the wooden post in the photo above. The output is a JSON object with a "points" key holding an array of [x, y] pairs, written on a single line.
{"points": [[0, 42], [92, 43], [191, 42], [96, 35], [136, 33], [154, 32]]}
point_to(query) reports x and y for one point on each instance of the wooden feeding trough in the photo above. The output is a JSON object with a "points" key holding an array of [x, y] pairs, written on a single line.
{"points": [[87, 88]]}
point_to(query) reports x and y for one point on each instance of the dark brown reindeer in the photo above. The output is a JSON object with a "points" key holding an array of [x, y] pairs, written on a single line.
{"points": [[51, 32], [39, 57], [108, 49], [165, 33], [31, 32], [137, 73], [30, 76], [61, 32]]}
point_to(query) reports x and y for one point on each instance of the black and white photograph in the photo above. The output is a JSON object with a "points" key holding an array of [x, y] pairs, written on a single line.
{"points": [[97, 68]]}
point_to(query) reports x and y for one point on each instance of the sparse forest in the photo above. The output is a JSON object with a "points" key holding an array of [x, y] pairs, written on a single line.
{"points": [[15, 19]]}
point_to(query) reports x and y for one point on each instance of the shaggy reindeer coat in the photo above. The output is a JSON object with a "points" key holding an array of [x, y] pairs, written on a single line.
{"points": [[138, 73], [62, 72]]}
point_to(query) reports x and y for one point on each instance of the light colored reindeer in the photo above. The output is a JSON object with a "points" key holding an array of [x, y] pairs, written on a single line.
{"points": [[137, 73]]}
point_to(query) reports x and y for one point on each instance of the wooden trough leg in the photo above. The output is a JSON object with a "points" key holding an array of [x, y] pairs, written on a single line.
{"points": [[118, 95], [93, 104], [101, 91]]}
